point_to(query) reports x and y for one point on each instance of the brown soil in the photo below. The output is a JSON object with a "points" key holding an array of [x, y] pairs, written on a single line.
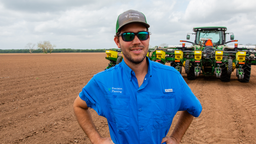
{"points": [[37, 92]]}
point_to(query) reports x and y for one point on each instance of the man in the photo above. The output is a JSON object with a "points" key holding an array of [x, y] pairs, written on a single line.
{"points": [[138, 97]]}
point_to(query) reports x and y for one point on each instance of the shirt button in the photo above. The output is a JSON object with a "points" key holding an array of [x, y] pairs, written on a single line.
{"points": [[141, 129], [140, 110], [145, 78]]}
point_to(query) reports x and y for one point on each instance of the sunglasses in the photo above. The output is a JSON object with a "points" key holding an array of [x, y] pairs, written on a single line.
{"points": [[129, 36]]}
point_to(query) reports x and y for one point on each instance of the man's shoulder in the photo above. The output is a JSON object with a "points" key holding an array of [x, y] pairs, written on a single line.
{"points": [[107, 72]]}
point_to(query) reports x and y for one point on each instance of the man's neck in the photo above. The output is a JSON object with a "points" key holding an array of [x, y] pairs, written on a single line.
{"points": [[140, 70]]}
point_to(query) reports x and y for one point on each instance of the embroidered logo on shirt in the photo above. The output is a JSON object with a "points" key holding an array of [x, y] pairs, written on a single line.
{"points": [[168, 90], [115, 90]]}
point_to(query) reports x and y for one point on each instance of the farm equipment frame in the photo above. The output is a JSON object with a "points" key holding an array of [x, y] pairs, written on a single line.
{"points": [[208, 55]]}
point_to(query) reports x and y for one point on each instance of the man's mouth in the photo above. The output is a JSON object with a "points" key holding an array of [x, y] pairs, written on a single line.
{"points": [[136, 49]]}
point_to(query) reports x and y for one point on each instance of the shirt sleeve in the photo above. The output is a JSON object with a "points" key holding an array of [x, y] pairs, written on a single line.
{"points": [[93, 96], [189, 101]]}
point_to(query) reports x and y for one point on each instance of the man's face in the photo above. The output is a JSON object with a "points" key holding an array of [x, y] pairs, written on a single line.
{"points": [[136, 50]]}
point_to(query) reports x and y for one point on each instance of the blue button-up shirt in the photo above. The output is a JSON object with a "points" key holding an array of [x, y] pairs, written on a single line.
{"points": [[139, 115]]}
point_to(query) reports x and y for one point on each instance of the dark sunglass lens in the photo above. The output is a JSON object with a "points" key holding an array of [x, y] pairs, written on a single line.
{"points": [[143, 35], [128, 36]]}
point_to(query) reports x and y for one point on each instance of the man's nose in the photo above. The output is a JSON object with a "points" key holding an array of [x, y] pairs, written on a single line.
{"points": [[136, 40]]}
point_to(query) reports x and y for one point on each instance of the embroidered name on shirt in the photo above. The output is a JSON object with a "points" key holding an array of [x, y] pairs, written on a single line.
{"points": [[168, 90], [116, 90]]}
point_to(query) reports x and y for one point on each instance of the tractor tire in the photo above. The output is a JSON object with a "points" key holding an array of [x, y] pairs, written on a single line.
{"points": [[118, 60], [187, 66], [247, 73], [230, 66], [225, 77], [191, 73]]}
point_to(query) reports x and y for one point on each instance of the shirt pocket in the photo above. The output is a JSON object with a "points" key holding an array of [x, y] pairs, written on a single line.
{"points": [[163, 110], [119, 109], [162, 120], [164, 102]]}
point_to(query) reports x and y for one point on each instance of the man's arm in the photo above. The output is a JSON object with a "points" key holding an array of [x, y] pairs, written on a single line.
{"points": [[85, 121], [180, 128]]}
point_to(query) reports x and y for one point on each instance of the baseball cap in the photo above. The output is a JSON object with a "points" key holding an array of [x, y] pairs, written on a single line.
{"points": [[130, 16]]}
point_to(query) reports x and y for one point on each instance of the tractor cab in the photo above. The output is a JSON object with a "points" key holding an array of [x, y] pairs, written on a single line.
{"points": [[215, 34]]}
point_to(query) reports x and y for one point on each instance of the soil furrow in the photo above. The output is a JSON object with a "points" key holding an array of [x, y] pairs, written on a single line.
{"points": [[37, 93]]}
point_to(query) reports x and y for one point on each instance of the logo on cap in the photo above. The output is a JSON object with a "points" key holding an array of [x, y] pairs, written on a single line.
{"points": [[132, 15]]}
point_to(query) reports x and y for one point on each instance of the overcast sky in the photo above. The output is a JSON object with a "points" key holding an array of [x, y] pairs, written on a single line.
{"points": [[91, 23]]}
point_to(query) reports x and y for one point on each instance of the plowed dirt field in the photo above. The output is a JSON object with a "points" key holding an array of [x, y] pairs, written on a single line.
{"points": [[37, 93]]}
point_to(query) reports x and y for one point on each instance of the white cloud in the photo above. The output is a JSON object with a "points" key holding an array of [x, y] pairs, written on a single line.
{"points": [[91, 24], [215, 11], [238, 16]]}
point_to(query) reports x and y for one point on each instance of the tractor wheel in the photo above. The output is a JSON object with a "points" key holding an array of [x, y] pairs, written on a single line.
{"points": [[225, 77], [247, 73], [230, 66], [118, 60], [191, 73], [187, 66]]}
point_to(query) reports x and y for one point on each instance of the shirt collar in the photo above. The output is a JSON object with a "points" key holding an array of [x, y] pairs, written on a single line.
{"points": [[127, 70]]}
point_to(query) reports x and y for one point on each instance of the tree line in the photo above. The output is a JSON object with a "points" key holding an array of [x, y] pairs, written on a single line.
{"points": [[64, 50], [47, 47]]}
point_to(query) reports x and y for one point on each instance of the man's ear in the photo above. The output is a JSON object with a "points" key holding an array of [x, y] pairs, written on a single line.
{"points": [[117, 41]]}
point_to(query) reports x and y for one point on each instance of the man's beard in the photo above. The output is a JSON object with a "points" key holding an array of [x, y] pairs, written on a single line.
{"points": [[129, 57]]}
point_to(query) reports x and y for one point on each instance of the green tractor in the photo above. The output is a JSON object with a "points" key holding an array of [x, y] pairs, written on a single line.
{"points": [[210, 55]]}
